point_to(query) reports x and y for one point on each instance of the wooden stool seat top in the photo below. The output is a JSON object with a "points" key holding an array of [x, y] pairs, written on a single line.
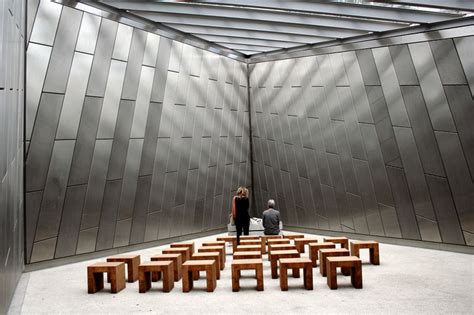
{"points": [[249, 237], [111, 258], [249, 248], [156, 263], [250, 242], [247, 255], [335, 238], [249, 263], [271, 236], [333, 250], [214, 243], [300, 262], [228, 238], [342, 259], [166, 256], [210, 248], [105, 265], [173, 250], [205, 254], [198, 263], [278, 241], [365, 243], [283, 252], [282, 246], [293, 236], [306, 240]]}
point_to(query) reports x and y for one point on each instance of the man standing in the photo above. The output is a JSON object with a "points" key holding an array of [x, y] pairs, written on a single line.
{"points": [[271, 219]]}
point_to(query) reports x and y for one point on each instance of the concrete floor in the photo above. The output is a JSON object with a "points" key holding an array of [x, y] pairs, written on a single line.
{"points": [[408, 280]]}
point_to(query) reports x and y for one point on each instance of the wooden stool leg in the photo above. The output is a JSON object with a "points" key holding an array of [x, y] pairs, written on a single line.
{"points": [[273, 265], [155, 276], [168, 281], [346, 271], [374, 255], [308, 278], [211, 278], [356, 277], [345, 244], [283, 277], [313, 255], [133, 269], [144, 281], [117, 280], [355, 250], [331, 275], [187, 280], [235, 279], [95, 281], [196, 275], [296, 272], [259, 274]]}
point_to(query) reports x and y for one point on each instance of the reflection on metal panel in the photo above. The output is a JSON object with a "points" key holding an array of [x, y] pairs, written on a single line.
{"points": [[134, 65], [87, 39], [46, 22], [151, 49], [122, 42], [465, 47], [108, 215], [403, 65], [447, 62], [367, 67], [150, 141]]}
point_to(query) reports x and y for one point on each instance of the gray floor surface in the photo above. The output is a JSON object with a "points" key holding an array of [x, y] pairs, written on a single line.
{"points": [[409, 280]]}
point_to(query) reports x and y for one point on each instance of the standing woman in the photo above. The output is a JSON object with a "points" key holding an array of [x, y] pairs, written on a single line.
{"points": [[240, 212]]}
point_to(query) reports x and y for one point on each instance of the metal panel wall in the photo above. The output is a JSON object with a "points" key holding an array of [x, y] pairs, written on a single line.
{"points": [[126, 132], [12, 67], [387, 140]]}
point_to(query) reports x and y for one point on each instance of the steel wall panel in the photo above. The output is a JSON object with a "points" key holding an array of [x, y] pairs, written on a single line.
{"points": [[430, 83], [405, 212], [110, 107], [32, 10], [158, 178], [422, 130], [55, 190], [403, 65], [168, 200], [135, 60], [324, 119], [108, 215], [340, 191], [38, 59], [122, 232], [87, 38], [63, 51], [390, 221], [143, 102], [42, 140], [152, 224], [32, 209], [465, 47], [166, 126], [43, 250], [175, 56], [86, 241], [390, 87], [354, 203], [367, 67], [137, 233], [70, 221], [447, 62], [74, 97], [331, 208], [150, 141], [122, 42], [462, 108], [46, 23], [102, 58], [161, 70], [121, 140], [84, 148], [345, 158]]}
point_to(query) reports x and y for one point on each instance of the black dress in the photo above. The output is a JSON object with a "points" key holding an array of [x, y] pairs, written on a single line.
{"points": [[242, 219]]}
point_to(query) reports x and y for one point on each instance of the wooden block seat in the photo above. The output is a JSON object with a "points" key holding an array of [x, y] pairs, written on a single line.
{"points": [[373, 247], [184, 251], [293, 236], [215, 243], [219, 249], [188, 245], [352, 263], [276, 255], [95, 276], [314, 250], [177, 260], [209, 266], [247, 255], [344, 241], [264, 239], [229, 239], [249, 237], [301, 242], [292, 263], [250, 242], [331, 252], [278, 241], [131, 261], [247, 264], [279, 247], [248, 248], [164, 269], [208, 256]]}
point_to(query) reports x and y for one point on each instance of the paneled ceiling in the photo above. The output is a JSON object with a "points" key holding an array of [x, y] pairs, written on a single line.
{"points": [[259, 26]]}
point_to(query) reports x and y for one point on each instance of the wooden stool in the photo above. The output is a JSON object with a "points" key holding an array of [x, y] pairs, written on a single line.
{"points": [[278, 241], [351, 263], [305, 263], [251, 242], [146, 269], [293, 236], [188, 245], [248, 248], [219, 249], [277, 254], [338, 240], [331, 252], [249, 237], [132, 262], [373, 247], [216, 243], [199, 265], [208, 256], [247, 255], [264, 239], [115, 272], [177, 262], [247, 264], [301, 242], [229, 239], [279, 247], [184, 251], [314, 249]]}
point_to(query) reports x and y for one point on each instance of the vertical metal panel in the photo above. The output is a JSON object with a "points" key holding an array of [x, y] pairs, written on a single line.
{"points": [[158, 178], [168, 194], [121, 140], [448, 220], [122, 232], [85, 142], [325, 122], [43, 250], [447, 62], [150, 141], [108, 116], [175, 56], [161, 70], [431, 87], [152, 224], [462, 108], [401, 195], [102, 58], [391, 89], [313, 176], [42, 141], [143, 102], [459, 180], [63, 51], [108, 215], [422, 130], [166, 119], [55, 190], [377, 103], [70, 221], [74, 98], [367, 67], [331, 207], [465, 47], [32, 10], [354, 203], [32, 209], [96, 185], [134, 64], [86, 241], [87, 39], [345, 158], [46, 22], [151, 49], [339, 71], [321, 158], [390, 221], [122, 42], [199, 213], [130, 178], [403, 65], [37, 63], [339, 189]]}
